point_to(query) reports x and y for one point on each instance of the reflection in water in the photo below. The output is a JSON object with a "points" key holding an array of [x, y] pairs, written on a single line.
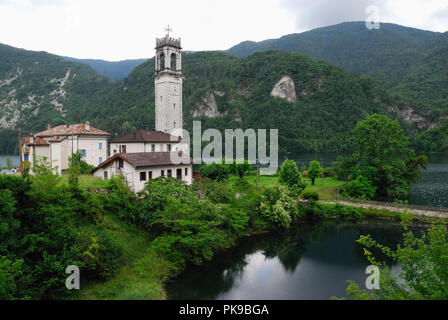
{"points": [[311, 261], [432, 189]]}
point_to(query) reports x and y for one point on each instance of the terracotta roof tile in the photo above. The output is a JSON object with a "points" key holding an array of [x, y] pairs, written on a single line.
{"points": [[75, 129], [145, 159], [146, 136], [37, 141]]}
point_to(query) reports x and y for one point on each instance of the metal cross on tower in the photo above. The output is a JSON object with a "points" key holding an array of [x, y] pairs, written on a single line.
{"points": [[168, 30]]}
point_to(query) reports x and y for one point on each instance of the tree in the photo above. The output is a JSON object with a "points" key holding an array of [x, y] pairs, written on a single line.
{"points": [[423, 261], [79, 165], [382, 145], [241, 168], [291, 176], [314, 171]]}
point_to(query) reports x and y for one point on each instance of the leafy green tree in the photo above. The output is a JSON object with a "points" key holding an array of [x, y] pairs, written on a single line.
{"points": [[381, 144], [423, 261], [79, 165], [10, 271], [343, 167], [314, 172], [241, 168], [291, 177]]}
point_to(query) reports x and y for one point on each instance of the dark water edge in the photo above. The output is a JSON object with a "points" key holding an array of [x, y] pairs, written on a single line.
{"points": [[312, 261]]}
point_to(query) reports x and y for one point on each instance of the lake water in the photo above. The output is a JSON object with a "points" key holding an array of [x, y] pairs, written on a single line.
{"points": [[15, 161], [311, 261]]}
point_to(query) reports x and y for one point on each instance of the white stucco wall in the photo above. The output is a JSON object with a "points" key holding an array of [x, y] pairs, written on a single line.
{"points": [[142, 147], [132, 174], [60, 152], [168, 97], [91, 145]]}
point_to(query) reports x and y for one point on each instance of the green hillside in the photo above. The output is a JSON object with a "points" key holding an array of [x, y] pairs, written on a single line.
{"points": [[37, 88], [329, 100], [220, 89], [386, 54], [427, 81]]}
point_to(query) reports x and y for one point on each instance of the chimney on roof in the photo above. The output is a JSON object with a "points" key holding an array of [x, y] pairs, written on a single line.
{"points": [[87, 125], [31, 138], [48, 126], [135, 135]]}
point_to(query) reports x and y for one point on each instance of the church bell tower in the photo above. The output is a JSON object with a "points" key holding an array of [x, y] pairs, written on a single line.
{"points": [[168, 85]]}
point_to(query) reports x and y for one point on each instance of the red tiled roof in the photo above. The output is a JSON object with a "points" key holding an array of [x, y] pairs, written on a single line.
{"points": [[75, 129], [58, 139], [145, 159], [146, 136], [37, 141]]}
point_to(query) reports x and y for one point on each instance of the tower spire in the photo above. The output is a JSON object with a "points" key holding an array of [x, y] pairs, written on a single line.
{"points": [[168, 30]]}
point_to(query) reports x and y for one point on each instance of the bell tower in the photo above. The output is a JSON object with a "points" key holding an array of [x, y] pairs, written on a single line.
{"points": [[168, 84]]}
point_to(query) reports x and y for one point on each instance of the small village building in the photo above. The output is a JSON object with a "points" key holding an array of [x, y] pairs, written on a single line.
{"points": [[145, 141], [56, 145], [138, 168]]}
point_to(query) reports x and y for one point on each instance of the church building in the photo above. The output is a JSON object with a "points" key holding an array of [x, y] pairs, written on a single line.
{"points": [[147, 154]]}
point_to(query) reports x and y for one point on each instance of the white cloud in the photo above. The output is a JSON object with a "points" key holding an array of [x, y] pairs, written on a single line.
{"points": [[114, 30]]}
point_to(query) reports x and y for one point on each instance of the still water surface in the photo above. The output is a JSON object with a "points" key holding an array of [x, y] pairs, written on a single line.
{"points": [[15, 161], [311, 261]]}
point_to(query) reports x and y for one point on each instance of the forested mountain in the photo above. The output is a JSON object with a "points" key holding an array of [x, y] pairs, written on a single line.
{"points": [[398, 56], [112, 69], [314, 104], [37, 88], [427, 81]]}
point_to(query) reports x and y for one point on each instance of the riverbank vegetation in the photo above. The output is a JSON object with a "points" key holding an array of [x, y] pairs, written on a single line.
{"points": [[423, 261], [383, 165]]}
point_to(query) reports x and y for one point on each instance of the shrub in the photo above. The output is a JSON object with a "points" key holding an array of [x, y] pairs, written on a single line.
{"points": [[157, 194], [360, 188], [278, 208], [217, 192], [120, 201], [217, 172], [310, 195]]}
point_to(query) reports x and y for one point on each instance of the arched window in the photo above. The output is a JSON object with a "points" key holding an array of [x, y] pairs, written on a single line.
{"points": [[162, 61], [174, 61]]}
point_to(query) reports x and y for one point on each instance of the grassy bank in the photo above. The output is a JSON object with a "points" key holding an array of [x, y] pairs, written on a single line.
{"points": [[326, 188]]}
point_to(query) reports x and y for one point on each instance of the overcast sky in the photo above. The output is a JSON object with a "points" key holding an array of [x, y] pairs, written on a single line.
{"points": [[126, 29]]}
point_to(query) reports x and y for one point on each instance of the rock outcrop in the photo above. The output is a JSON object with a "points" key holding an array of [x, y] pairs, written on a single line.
{"points": [[285, 89]]}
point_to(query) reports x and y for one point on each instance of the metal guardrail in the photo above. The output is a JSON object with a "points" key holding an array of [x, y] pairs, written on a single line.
{"points": [[397, 205]]}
